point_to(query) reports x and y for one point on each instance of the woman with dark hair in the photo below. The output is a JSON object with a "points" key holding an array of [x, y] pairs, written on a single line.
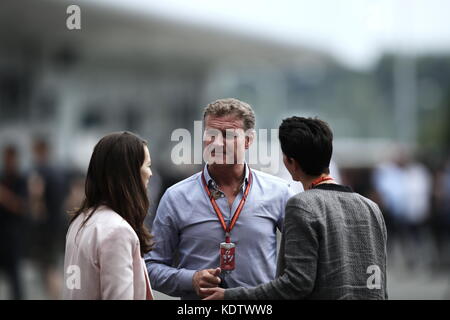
{"points": [[107, 238]]}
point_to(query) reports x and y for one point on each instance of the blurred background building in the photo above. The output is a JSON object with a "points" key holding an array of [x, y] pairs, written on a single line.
{"points": [[378, 73]]}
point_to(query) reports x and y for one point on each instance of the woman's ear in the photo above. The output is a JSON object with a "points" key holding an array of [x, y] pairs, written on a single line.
{"points": [[289, 160], [293, 164]]}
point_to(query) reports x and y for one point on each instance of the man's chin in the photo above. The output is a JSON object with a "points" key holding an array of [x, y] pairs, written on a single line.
{"points": [[221, 159], [222, 162]]}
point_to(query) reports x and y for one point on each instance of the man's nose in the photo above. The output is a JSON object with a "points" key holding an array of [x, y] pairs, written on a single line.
{"points": [[218, 141]]}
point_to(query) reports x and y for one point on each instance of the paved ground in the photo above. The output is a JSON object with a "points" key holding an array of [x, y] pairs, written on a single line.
{"points": [[402, 284]]}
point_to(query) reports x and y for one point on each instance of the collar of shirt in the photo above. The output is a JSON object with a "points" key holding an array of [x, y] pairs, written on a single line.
{"points": [[214, 188]]}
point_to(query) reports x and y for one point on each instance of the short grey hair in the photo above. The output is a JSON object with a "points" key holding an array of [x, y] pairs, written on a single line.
{"points": [[232, 106]]}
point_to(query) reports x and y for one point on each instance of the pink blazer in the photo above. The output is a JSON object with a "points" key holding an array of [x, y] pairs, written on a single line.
{"points": [[103, 260]]}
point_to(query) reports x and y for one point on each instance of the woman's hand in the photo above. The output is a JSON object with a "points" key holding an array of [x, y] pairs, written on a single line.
{"points": [[213, 293]]}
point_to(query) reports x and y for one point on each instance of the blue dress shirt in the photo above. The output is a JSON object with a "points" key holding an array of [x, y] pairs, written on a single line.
{"points": [[187, 233]]}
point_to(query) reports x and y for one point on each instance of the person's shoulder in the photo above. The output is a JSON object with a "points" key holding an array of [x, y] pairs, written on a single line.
{"points": [[300, 199], [104, 227], [300, 207], [184, 185], [271, 179], [106, 221], [367, 201], [306, 200]]}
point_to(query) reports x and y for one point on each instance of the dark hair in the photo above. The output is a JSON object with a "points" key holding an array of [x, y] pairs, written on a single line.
{"points": [[114, 179], [309, 141]]}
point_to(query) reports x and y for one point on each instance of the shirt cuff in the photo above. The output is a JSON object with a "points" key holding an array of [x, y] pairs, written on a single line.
{"points": [[185, 279]]}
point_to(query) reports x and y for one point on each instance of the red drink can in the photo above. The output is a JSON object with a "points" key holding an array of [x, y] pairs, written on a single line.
{"points": [[227, 256]]}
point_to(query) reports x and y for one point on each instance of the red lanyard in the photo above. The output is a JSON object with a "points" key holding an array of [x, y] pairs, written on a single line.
{"points": [[319, 180], [236, 214]]}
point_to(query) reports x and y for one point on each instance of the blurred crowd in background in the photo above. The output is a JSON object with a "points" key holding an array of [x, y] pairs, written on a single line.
{"points": [[34, 217], [379, 74]]}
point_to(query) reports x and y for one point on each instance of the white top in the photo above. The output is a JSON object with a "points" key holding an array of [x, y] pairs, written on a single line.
{"points": [[103, 260]]}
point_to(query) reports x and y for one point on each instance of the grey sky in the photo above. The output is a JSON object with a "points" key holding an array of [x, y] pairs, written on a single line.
{"points": [[355, 31]]}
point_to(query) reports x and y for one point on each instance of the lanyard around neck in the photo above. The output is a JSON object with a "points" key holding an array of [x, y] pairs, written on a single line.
{"points": [[320, 180], [219, 213]]}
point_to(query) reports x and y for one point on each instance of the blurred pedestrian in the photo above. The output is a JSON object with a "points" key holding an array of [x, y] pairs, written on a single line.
{"points": [[13, 209], [404, 186], [47, 192], [442, 219]]}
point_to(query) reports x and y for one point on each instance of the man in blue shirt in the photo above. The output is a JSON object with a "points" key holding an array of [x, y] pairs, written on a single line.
{"points": [[226, 202]]}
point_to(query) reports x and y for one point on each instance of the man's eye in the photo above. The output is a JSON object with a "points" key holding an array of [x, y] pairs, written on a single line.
{"points": [[232, 135], [211, 134]]}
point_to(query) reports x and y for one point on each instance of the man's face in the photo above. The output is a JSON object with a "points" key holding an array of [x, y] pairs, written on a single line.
{"points": [[224, 140]]}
